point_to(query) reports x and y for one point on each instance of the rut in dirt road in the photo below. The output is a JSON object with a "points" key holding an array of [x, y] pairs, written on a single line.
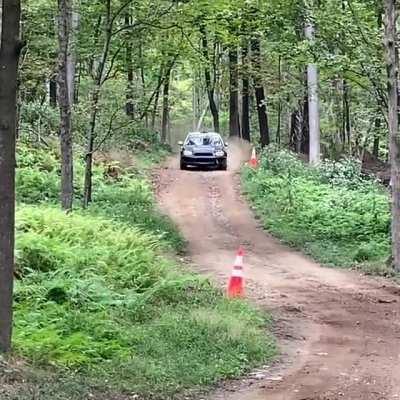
{"points": [[339, 332]]}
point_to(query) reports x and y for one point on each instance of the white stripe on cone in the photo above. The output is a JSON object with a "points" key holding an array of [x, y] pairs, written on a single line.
{"points": [[239, 261], [238, 273]]}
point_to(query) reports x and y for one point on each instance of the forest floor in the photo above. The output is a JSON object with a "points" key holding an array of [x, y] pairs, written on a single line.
{"points": [[338, 331]]}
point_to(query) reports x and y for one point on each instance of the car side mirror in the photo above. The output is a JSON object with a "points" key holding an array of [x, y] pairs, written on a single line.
{"points": [[180, 143], [226, 144]]}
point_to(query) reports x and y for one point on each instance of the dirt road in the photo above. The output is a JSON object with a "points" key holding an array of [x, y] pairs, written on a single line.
{"points": [[338, 332]]}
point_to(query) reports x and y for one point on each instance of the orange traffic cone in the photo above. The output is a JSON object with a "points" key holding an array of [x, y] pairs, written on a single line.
{"points": [[236, 281], [253, 160]]}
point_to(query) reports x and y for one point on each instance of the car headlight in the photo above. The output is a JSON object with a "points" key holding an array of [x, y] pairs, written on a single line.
{"points": [[219, 153], [187, 152]]}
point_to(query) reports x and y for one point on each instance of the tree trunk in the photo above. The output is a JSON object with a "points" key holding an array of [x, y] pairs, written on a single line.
{"points": [[95, 96], [393, 102], [87, 189], [375, 150], [71, 54], [207, 75], [156, 98], [346, 114], [143, 82], [9, 53], [296, 122], [165, 111], [305, 131], [53, 92], [245, 95], [64, 101], [259, 92], [129, 69], [234, 125], [279, 113], [313, 102]]}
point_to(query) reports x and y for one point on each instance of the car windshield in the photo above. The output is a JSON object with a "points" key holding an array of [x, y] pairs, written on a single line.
{"points": [[200, 140]]}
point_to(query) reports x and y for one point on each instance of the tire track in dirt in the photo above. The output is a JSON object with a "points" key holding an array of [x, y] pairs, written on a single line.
{"points": [[338, 331]]}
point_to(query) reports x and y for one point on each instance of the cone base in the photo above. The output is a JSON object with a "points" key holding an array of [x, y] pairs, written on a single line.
{"points": [[235, 287], [253, 163]]}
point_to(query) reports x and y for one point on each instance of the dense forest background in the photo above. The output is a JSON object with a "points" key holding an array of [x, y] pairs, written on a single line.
{"points": [[140, 69], [93, 93]]}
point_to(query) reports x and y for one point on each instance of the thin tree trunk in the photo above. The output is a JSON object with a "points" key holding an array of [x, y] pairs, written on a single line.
{"points": [[78, 84], [245, 94], [129, 69], [53, 92], [9, 54], [196, 100], [375, 150], [313, 102], [393, 102], [201, 119], [95, 96], [346, 113], [259, 92], [207, 75], [143, 82], [165, 111], [88, 184], [234, 125], [156, 98], [279, 116], [71, 54], [64, 100], [296, 135], [305, 131]]}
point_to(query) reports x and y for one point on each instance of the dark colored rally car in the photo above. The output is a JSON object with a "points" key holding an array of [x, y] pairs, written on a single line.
{"points": [[203, 150]]}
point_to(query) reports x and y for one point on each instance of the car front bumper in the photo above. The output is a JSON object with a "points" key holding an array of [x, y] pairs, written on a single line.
{"points": [[202, 161]]}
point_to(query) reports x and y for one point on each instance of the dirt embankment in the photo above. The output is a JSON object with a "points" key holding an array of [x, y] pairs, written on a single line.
{"points": [[339, 332]]}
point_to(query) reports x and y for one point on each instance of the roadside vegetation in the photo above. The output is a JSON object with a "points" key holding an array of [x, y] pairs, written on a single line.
{"points": [[99, 302], [332, 212]]}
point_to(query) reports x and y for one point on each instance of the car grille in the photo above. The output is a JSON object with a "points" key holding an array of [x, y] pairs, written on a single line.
{"points": [[204, 154]]}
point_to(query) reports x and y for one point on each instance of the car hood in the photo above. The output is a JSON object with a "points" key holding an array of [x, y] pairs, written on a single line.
{"points": [[203, 149]]}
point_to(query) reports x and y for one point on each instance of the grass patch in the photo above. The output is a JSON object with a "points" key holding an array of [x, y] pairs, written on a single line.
{"points": [[101, 311], [332, 212]]}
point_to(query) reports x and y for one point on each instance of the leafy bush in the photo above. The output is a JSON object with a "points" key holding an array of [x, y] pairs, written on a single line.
{"points": [[97, 301], [96, 297], [38, 117], [331, 211], [37, 178], [131, 201], [128, 200], [346, 172]]}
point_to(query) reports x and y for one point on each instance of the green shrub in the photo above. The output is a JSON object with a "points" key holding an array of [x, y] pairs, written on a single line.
{"points": [[129, 200], [96, 297], [331, 211]]}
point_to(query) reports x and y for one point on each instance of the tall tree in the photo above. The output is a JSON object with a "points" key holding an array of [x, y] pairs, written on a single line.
{"points": [[210, 84], [393, 119], [313, 99], [165, 106], [259, 92], [130, 109], [65, 97], [234, 124], [156, 97], [53, 92], [245, 93], [10, 47], [71, 56], [99, 79]]}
